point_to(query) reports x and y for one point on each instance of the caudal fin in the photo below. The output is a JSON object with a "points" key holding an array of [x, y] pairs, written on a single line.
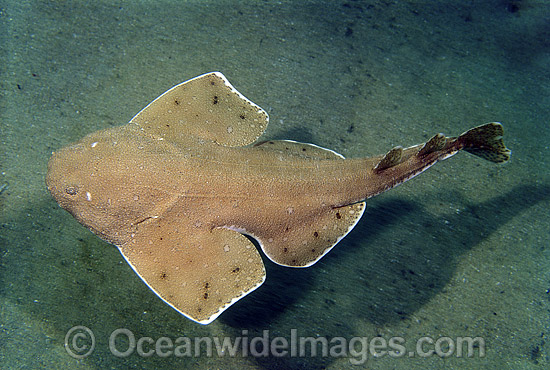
{"points": [[486, 142]]}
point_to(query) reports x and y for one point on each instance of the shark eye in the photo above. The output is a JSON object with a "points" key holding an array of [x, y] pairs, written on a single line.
{"points": [[71, 190]]}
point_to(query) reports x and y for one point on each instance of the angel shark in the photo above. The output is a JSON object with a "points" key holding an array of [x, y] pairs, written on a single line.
{"points": [[177, 187]]}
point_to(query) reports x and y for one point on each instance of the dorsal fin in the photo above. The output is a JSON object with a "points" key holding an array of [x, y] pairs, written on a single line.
{"points": [[206, 107], [391, 158], [437, 142]]}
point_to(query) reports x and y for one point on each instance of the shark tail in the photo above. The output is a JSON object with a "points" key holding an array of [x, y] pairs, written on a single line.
{"points": [[400, 165], [486, 142]]}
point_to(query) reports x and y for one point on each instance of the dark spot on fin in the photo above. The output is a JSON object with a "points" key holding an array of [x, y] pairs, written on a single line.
{"points": [[435, 144], [390, 159], [486, 142]]}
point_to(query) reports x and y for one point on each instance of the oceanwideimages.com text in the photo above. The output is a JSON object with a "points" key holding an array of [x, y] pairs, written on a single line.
{"points": [[80, 343]]}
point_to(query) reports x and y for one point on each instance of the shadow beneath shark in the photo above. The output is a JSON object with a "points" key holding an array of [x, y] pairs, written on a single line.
{"points": [[420, 262]]}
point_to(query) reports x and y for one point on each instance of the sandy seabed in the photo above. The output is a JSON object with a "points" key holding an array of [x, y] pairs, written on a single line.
{"points": [[460, 252]]}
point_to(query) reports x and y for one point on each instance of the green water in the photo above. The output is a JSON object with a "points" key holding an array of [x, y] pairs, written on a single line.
{"points": [[460, 252]]}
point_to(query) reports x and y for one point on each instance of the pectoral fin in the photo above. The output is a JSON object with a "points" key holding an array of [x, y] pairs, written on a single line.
{"points": [[206, 107], [198, 272]]}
